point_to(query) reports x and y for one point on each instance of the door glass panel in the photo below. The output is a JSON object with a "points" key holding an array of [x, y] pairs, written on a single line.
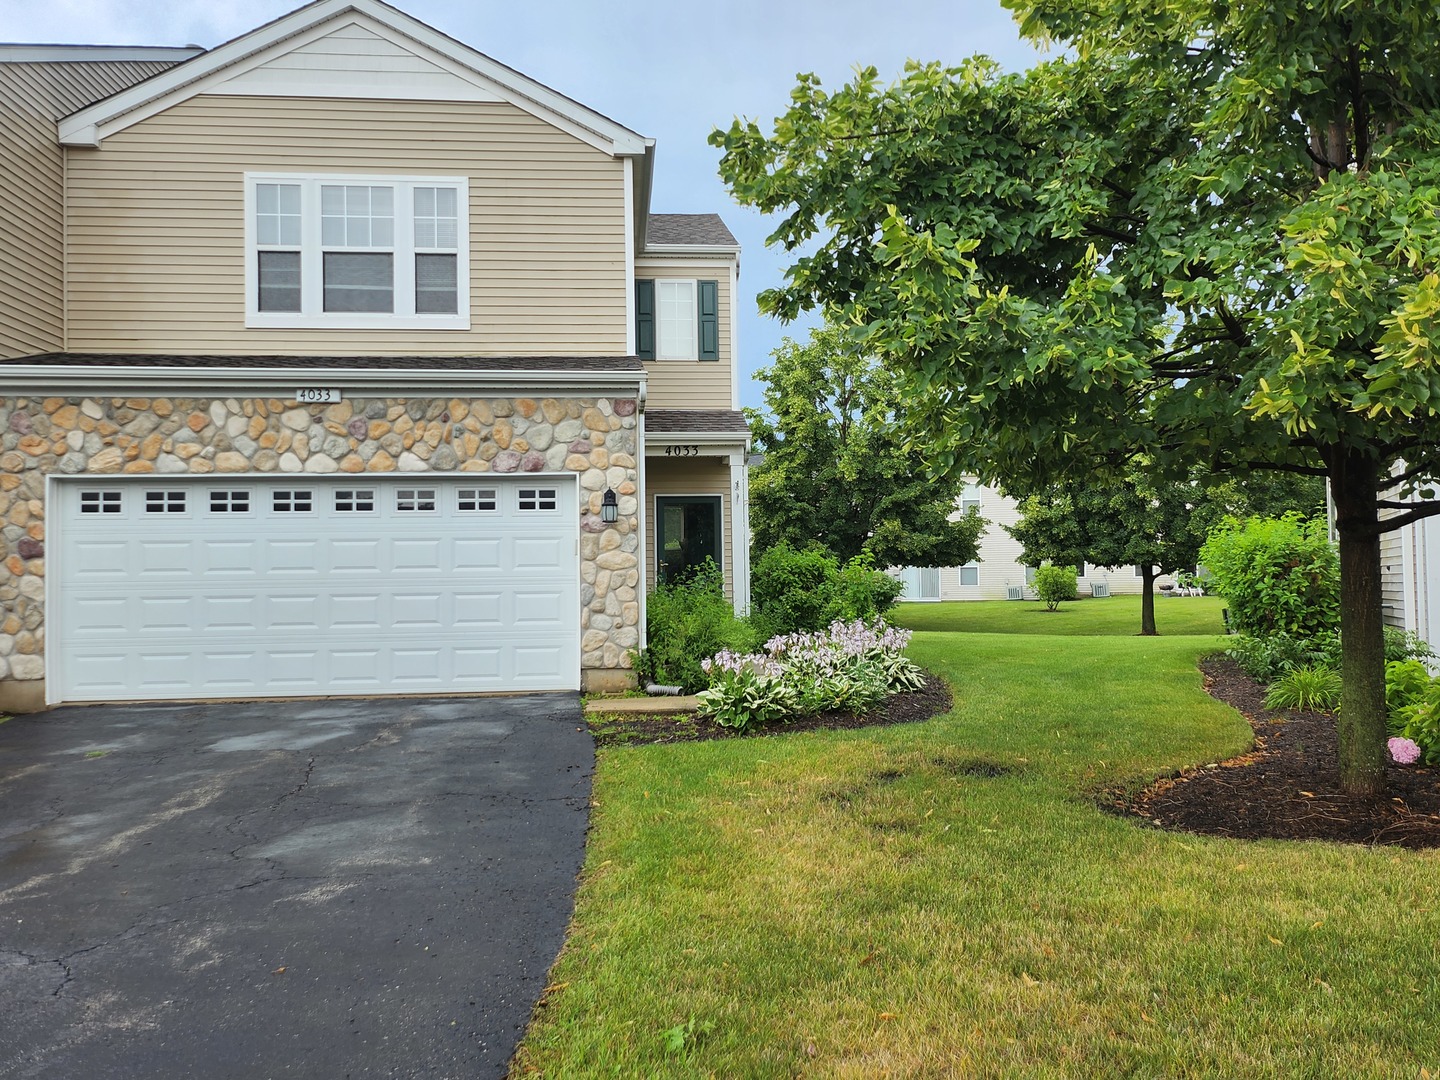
{"points": [[688, 533]]}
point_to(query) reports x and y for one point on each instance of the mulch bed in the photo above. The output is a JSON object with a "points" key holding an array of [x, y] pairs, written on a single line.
{"points": [[932, 700], [1288, 787]]}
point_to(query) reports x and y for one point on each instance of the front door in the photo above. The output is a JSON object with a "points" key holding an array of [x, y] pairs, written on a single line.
{"points": [[687, 532]]}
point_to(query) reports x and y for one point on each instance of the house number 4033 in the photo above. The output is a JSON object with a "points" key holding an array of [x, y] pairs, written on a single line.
{"points": [[682, 451], [311, 395]]}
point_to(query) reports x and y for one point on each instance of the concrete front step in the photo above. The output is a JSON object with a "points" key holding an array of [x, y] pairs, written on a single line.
{"points": [[646, 706]]}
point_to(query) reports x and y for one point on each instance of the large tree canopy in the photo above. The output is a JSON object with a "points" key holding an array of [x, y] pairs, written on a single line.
{"points": [[1206, 234], [836, 469]]}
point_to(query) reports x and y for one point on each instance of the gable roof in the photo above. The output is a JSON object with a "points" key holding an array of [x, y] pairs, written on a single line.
{"points": [[688, 231], [90, 125]]}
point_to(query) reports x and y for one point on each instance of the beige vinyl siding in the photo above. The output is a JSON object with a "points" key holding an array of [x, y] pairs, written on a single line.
{"points": [[693, 384], [32, 201], [157, 236], [688, 476]]}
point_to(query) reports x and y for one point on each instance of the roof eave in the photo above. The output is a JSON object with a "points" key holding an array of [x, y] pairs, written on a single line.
{"points": [[90, 125], [96, 378]]}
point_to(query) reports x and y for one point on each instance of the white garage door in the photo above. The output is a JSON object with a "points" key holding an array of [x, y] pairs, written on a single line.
{"points": [[289, 586]]}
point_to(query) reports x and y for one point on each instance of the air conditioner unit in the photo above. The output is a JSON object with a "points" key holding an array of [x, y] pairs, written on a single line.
{"points": [[1100, 588], [1014, 592]]}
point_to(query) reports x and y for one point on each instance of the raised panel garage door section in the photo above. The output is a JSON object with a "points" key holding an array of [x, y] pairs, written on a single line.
{"points": [[287, 587]]}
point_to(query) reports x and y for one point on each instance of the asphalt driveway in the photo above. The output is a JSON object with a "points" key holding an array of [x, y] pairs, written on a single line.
{"points": [[318, 889]]}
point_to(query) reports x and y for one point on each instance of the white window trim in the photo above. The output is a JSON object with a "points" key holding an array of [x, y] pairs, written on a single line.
{"points": [[313, 316], [960, 575]]}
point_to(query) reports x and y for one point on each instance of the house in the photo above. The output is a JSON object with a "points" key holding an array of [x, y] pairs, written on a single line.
{"points": [[999, 574], [1410, 577], [342, 359]]}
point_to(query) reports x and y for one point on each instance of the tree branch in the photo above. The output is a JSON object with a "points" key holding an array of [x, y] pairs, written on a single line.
{"points": [[1275, 466], [1419, 513], [1112, 234]]}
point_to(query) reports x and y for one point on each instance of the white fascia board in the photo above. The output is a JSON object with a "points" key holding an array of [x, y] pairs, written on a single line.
{"points": [[64, 54], [644, 188], [676, 251], [697, 438], [630, 343], [316, 20], [263, 382]]}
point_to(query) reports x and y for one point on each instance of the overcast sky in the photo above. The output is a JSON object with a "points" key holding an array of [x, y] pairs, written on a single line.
{"points": [[672, 73]]}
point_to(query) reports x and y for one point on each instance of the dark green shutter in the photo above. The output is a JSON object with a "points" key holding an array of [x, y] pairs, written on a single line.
{"points": [[709, 298], [645, 319]]}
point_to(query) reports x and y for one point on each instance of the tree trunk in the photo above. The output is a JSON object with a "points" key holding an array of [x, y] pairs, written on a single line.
{"points": [[1147, 601], [1354, 486]]}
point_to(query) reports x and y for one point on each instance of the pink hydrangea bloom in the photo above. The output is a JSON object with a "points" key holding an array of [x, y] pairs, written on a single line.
{"points": [[1404, 751]]}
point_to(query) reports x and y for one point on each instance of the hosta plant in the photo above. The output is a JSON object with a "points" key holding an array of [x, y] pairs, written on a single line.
{"points": [[851, 666], [745, 698]]}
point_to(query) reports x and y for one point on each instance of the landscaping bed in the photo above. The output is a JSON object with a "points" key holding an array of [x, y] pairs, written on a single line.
{"points": [[1288, 787], [933, 699]]}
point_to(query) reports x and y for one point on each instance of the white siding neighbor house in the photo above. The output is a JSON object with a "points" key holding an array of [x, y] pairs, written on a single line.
{"points": [[999, 574]]}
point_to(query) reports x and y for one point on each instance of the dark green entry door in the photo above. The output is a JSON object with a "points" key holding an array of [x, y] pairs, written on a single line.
{"points": [[687, 532]]}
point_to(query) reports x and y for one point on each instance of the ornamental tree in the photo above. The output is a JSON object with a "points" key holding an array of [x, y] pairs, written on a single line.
{"points": [[1158, 527], [1205, 233], [836, 468], [1155, 524]]}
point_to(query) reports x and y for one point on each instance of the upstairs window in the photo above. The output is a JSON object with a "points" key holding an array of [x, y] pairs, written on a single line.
{"points": [[357, 252], [677, 319]]}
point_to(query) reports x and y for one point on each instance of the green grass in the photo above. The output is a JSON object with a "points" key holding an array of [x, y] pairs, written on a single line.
{"points": [[1112, 615], [945, 899]]}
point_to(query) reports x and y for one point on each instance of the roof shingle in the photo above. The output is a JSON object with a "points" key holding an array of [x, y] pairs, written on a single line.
{"points": [[724, 421], [664, 230]]}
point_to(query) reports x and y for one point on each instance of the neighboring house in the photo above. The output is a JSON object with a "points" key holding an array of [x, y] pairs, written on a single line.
{"points": [[999, 574], [1410, 577], [343, 359]]}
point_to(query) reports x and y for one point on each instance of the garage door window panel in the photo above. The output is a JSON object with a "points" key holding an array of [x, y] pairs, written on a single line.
{"points": [[536, 499], [100, 502], [415, 500], [292, 501], [355, 500], [477, 500], [168, 501], [228, 501]]}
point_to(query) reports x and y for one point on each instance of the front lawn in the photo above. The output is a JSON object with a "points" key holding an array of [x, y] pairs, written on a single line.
{"points": [[1117, 615], [945, 899]]}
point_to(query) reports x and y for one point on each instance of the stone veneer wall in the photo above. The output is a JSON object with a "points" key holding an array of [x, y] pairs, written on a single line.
{"points": [[594, 437]]}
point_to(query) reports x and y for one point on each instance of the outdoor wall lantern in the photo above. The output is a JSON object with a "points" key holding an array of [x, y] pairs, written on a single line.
{"points": [[609, 507]]}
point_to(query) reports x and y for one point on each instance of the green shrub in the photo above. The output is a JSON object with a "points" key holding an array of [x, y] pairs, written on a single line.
{"points": [[1278, 575], [1055, 584], [796, 591], [684, 623], [789, 589], [1405, 645], [1270, 656], [862, 592], [1421, 722], [1406, 683], [1305, 688]]}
